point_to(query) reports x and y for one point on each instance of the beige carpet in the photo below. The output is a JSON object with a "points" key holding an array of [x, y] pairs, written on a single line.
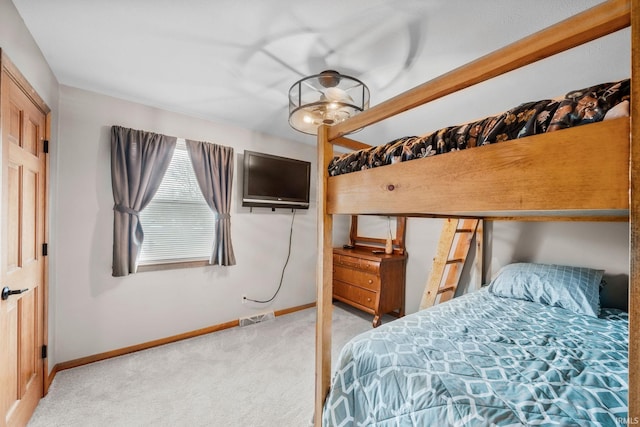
{"points": [[257, 375]]}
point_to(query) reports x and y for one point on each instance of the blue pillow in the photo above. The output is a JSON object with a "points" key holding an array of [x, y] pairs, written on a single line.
{"points": [[573, 288]]}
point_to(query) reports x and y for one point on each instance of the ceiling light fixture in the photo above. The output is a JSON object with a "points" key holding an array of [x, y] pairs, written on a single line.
{"points": [[325, 98]]}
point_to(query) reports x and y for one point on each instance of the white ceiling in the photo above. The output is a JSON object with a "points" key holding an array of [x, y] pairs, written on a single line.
{"points": [[233, 61]]}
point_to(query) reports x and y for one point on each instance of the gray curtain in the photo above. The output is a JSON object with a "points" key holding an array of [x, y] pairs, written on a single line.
{"points": [[139, 161], [213, 166]]}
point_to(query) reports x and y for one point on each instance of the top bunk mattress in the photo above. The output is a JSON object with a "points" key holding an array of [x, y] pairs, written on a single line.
{"points": [[578, 107]]}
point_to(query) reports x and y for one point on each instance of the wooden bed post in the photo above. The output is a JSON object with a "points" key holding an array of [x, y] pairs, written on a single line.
{"points": [[324, 277], [634, 221]]}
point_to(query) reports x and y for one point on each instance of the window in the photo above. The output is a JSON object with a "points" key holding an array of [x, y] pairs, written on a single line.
{"points": [[178, 224]]}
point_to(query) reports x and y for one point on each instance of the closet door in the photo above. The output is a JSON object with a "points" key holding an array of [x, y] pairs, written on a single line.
{"points": [[22, 267]]}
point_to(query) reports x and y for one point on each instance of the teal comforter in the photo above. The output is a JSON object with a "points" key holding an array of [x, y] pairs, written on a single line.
{"points": [[482, 360]]}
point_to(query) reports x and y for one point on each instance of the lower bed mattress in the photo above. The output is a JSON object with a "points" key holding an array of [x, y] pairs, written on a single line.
{"points": [[482, 360]]}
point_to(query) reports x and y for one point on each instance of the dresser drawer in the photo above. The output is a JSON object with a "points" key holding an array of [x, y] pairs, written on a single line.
{"points": [[355, 294], [357, 277], [355, 262], [347, 261], [371, 266]]}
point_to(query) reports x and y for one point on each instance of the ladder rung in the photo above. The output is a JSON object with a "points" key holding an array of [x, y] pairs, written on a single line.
{"points": [[446, 289], [455, 261], [465, 230]]}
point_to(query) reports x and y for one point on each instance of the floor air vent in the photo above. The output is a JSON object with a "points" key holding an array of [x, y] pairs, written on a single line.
{"points": [[256, 318]]}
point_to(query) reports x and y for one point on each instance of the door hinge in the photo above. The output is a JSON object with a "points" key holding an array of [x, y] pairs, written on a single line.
{"points": [[45, 249], [44, 352], [45, 146]]}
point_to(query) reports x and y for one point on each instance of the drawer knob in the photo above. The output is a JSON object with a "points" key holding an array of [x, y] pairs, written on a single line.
{"points": [[370, 281], [369, 299], [391, 187]]}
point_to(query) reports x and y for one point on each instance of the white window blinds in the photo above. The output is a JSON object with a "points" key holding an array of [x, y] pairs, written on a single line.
{"points": [[178, 225]]}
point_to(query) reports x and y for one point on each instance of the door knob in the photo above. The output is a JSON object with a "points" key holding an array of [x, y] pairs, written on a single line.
{"points": [[6, 292]]}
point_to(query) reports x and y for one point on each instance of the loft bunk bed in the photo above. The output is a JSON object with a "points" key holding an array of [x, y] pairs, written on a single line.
{"points": [[569, 183]]}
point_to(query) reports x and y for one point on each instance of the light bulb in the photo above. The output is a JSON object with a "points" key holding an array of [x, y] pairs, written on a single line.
{"points": [[337, 95]]}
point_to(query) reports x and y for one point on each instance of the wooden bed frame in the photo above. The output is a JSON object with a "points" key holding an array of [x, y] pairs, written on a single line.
{"points": [[565, 187]]}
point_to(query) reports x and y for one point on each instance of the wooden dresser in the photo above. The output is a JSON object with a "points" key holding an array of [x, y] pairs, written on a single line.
{"points": [[369, 280]]}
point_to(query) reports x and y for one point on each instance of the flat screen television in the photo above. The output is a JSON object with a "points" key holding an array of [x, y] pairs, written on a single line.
{"points": [[275, 182]]}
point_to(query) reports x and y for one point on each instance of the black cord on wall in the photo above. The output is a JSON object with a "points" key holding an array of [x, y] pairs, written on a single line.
{"points": [[283, 268]]}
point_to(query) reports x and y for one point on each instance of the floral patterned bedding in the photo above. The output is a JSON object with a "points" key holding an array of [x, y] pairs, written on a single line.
{"points": [[578, 107]]}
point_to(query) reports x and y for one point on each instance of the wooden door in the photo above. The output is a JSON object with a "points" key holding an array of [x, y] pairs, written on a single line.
{"points": [[22, 315]]}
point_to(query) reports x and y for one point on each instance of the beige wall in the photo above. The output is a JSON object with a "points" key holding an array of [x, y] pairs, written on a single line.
{"points": [[97, 312]]}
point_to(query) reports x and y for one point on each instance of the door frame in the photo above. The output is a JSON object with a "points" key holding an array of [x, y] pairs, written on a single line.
{"points": [[12, 72]]}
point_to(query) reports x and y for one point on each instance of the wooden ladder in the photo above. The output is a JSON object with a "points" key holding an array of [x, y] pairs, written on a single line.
{"points": [[460, 232]]}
